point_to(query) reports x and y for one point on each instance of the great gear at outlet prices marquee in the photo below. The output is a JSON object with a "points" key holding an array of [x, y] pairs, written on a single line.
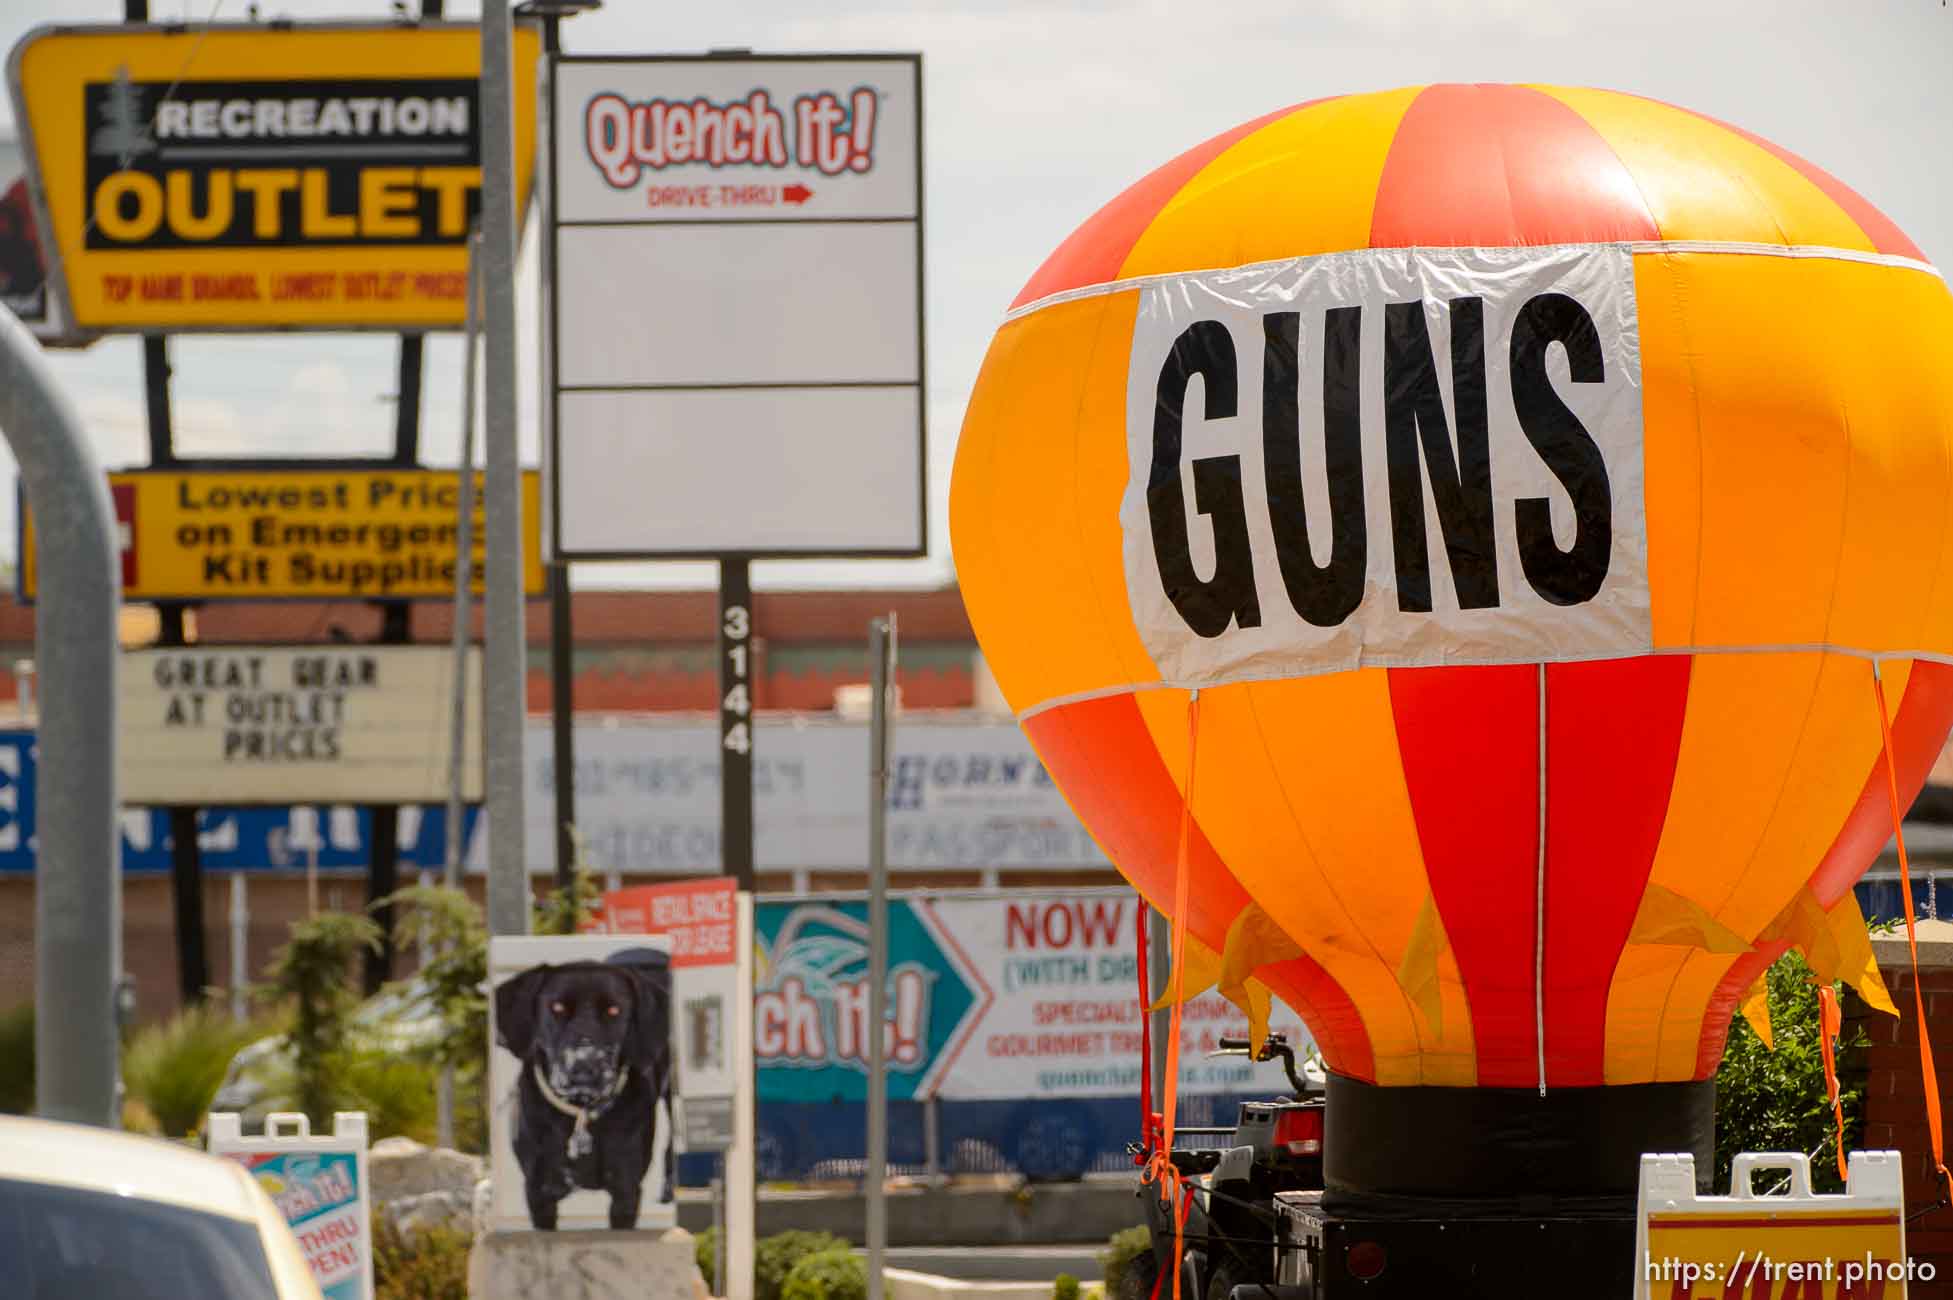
{"points": [[246, 176]]}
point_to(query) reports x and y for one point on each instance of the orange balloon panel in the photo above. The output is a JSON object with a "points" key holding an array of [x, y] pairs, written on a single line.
{"points": [[1527, 480]]}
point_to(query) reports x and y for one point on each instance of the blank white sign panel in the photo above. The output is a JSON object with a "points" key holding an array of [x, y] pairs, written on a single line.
{"points": [[781, 470], [737, 304]]}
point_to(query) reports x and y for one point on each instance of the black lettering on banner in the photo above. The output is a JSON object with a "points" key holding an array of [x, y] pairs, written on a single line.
{"points": [[1461, 488], [1325, 594], [1204, 348], [1572, 576]]}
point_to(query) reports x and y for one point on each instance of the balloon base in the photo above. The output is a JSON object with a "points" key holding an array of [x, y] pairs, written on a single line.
{"points": [[1446, 1154]]}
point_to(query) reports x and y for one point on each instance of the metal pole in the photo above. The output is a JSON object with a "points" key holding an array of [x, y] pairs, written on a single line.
{"points": [[719, 1229], [742, 1160], [736, 721], [562, 718], [932, 1141], [503, 686], [464, 579], [78, 900], [881, 654], [383, 867], [562, 623], [240, 948], [186, 854], [464, 574]]}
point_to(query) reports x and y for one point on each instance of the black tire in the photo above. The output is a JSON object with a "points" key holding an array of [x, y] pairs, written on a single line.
{"points": [[1227, 1275], [1136, 1280]]}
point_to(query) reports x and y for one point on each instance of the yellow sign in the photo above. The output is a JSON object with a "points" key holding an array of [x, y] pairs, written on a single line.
{"points": [[1820, 1255], [1785, 1245], [256, 177], [249, 534]]}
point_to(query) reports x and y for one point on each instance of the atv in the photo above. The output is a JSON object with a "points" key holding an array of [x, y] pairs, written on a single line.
{"points": [[1229, 1233]]}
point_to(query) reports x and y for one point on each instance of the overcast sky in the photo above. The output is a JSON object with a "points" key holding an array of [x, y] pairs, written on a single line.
{"points": [[1037, 112]]}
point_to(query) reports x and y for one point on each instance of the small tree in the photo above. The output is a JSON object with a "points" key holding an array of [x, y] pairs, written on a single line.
{"points": [[564, 909], [456, 968], [1777, 1100], [454, 977], [314, 971]]}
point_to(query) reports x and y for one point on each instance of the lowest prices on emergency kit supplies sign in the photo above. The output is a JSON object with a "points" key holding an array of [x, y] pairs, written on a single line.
{"points": [[251, 176], [281, 725], [319, 1184], [223, 534]]}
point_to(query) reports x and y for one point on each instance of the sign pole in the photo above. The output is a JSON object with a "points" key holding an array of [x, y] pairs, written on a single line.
{"points": [[186, 864], [503, 679], [240, 949], [562, 628], [464, 574], [741, 1166], [881, 654], [464, 577], [383, 871], [736, 720], [78, 895]]}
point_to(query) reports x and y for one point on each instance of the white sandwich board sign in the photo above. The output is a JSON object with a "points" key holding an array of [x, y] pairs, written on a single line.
{"points": [[321, 1186]]}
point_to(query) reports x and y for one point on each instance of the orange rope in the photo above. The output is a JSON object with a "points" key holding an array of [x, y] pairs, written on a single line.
{"points": [[1928, 1074], [1830, 1024], [1173, 1187]]}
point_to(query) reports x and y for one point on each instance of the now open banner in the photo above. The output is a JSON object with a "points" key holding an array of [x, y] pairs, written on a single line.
{"points": [[990, 997]]}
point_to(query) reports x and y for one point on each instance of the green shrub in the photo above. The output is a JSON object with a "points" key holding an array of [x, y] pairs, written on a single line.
{"points": [[1065, 1287], [834, 1274], [173, 1067], [314, 972], [1121, 1253], [1776, 1100], [431, 1264], [17, 1060], [774, 1257], [400, 1094], [705, 1250]]}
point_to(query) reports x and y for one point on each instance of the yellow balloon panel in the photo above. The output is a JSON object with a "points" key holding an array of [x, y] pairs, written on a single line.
{"points": [[1702, 181], [1813, 468], [1317, 168], [1039, 470], [1354, 915], [1775, 751]]}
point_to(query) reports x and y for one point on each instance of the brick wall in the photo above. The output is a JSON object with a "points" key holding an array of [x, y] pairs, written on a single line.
{"points": [[1895, 1105]]}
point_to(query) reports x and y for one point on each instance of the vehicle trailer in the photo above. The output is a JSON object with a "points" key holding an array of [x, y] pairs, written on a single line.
{"points": [[1321, 1255]]}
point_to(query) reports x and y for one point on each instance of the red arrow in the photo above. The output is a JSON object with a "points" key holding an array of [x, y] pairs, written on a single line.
{"points": [[796, 194]]}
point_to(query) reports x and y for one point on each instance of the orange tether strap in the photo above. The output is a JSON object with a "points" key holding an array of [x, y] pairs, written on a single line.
{"points": [[1173, 1188], [1928, 1074], [1830, 1024]]}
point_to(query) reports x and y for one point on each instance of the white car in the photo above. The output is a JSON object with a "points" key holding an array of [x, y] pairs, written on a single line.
{"points": [[92, 1214]]}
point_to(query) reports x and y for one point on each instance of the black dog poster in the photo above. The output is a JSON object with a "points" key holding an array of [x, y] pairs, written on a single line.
{"points": [[582, 1080]]}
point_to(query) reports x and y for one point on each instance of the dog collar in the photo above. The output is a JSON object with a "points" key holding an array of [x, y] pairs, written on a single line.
{"points": [[580, 1139]]}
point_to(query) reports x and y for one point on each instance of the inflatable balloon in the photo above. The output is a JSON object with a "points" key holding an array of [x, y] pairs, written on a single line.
{"points": [[1529, 482]]}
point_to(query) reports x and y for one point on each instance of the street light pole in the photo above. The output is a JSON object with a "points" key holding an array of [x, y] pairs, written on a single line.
{"points": [[504, 693]]}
